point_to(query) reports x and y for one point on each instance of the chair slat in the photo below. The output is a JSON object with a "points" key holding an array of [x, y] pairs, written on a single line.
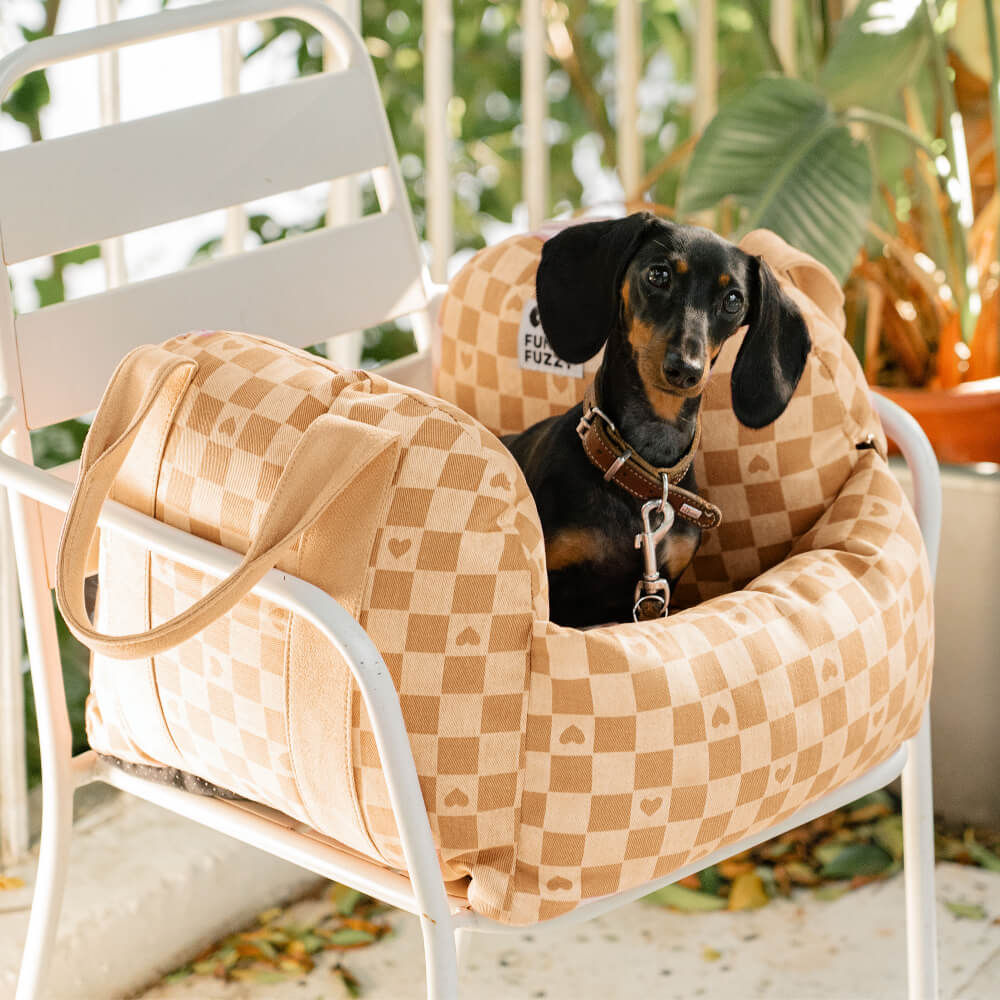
{"points": [[80, 189], [301, 291]]}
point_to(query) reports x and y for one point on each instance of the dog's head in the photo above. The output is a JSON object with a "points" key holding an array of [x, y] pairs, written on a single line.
{"points": [[673, 295]]}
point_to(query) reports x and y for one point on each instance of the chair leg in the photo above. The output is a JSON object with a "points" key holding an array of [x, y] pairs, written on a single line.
{"points": [[918, 845], [463, 940], [50, 881], [440, 959]]}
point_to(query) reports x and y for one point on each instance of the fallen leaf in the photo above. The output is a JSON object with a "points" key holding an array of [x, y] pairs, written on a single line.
{"points": [[857, 859], [827, 852], [747, 892], [297, 950], [948, 848], [966, 911], [782, 883], [346, 899], [828, 893], [867, 813], [349, 980], [775, 849], [313, 943], [296, 966], [11, 882], [733, 869], [710, 880], [800, 873], [710, 954], [350, 937], [688, 900], [259, 976], [982, 856], [888, 834]]}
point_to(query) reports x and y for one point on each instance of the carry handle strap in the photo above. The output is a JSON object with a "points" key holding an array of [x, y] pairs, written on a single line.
{"points": [[328, 456]]}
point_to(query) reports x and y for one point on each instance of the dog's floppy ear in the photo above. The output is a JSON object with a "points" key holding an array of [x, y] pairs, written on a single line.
{"points": [[579, 280], [773, 354]]}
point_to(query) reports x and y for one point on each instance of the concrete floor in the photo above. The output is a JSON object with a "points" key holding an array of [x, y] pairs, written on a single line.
{"points": [[850, 949], [148, 890]]}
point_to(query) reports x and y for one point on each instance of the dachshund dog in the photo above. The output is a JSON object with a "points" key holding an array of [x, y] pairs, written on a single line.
{"points": [[662, 299]]}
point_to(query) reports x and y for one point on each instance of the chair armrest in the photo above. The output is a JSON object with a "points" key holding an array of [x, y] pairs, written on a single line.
{"points": [[923, 465]]}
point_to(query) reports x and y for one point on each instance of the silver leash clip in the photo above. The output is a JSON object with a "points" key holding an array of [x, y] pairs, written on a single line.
{"points": [[652, 592]]}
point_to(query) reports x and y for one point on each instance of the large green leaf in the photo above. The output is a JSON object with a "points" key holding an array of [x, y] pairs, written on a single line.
{"points": [[876, 52], [791, 165]]}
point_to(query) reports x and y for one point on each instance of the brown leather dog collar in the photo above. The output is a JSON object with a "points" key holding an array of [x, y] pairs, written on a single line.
{"points": [[622, 465]]}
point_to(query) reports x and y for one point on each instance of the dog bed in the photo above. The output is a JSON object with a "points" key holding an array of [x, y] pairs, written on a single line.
{"points": [[804, 655], [556, 765]]}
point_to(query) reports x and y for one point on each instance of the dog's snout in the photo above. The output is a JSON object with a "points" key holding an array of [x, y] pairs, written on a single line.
{"points": [[681, 370]]}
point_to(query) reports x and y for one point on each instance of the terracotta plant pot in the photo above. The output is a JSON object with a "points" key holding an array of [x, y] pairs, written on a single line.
{"points": [[963, 423]]}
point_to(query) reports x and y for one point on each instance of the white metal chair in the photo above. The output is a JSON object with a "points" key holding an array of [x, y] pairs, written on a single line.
{"points": [[55, 362]]}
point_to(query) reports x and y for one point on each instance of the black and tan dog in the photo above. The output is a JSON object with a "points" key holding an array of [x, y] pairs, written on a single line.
{"points": [[663, 299]]}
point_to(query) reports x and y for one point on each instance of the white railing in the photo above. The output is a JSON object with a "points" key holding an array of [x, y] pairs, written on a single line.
{"points": [[344, 203]]}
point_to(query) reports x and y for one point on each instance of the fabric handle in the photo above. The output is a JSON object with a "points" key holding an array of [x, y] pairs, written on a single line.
{"points": [[330, 454]]}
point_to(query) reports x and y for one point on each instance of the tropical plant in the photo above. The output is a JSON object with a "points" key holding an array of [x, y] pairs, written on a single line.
{"points": [[879, 162]]}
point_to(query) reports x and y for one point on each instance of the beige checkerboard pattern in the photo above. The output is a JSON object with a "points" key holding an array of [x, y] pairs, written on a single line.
{"points": [[652, 745], [455, 581], [477, 367], [556, 765]]}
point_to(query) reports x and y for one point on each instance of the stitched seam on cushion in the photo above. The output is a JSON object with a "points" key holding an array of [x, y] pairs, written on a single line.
{"points": [[814, 354], [848, 420], [447, 410]]}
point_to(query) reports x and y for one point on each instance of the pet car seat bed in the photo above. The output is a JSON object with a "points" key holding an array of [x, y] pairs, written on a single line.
{"points": [[556, 765]]}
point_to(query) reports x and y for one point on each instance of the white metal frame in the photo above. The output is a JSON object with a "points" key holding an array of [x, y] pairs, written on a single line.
{"points": [[443, 920]]}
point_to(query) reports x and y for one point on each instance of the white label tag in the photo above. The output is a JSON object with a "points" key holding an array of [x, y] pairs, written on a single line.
{"points": [[690, 511], [533, 350]]}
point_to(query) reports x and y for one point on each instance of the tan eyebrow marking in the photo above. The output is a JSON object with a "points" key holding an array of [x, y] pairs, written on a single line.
{"points": [[724, 280], [681, 266]]}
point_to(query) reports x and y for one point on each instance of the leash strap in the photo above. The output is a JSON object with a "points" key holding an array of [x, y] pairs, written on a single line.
{"points": [[620, 463]]}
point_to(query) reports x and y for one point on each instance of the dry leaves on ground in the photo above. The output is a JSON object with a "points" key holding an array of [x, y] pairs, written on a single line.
{"points": [[276, 949], [843, 850]]}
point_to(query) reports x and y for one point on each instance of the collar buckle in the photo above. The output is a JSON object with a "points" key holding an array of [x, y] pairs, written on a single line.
{"points": [[588, 418]]}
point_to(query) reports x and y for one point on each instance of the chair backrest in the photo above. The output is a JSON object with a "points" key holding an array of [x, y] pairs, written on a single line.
{"points": [[69, 192]]}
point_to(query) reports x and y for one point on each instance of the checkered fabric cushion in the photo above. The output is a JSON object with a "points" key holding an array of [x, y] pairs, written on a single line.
{"points": [[651, 745], [477, 368], [556, 765]]}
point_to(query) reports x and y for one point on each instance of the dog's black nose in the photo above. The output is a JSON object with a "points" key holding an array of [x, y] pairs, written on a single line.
{"points": [[680, 371]]}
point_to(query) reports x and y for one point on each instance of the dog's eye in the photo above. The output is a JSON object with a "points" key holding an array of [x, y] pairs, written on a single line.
{"points": [[732, 303], [659, 277]]}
